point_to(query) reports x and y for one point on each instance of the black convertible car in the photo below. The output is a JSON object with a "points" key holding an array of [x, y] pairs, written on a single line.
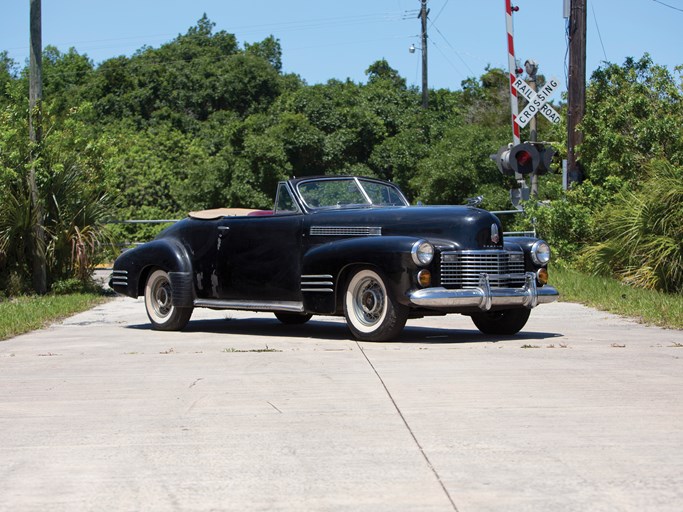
{"points": [[340, 245]]}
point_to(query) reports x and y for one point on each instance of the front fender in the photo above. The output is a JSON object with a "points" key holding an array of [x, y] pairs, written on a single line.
{"points": [[390, 254], [133, 266], [524, 243]]}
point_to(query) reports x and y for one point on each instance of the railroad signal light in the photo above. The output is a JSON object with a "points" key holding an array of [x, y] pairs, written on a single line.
{"points": [[546, 154], [521, 158]]}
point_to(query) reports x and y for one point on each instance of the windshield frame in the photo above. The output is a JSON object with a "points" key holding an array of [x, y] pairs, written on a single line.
{"points": [[307, 199]]}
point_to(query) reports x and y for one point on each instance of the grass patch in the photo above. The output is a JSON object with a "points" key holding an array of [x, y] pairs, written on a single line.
{"points": [[23, 314], [607, 294]]}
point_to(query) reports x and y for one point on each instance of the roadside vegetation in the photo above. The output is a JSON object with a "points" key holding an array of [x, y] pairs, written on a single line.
{"points": [[26, 313], [608, 294], [204, 121]]}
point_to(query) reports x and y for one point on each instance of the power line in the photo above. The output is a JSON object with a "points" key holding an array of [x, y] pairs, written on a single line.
{"points": [[440, 11], [669, 6], [459, 71], [452, 48], [281, 27], [163, 63], [595, 18]]}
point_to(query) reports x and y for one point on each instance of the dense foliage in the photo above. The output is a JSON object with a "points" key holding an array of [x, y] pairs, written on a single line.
{"points": [[203, 121]]}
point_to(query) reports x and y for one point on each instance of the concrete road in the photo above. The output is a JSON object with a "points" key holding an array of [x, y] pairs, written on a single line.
{"points": [[582, 411]]}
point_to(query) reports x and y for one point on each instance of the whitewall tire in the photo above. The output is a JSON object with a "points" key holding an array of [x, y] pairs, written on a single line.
{"points": [[159, 304]]}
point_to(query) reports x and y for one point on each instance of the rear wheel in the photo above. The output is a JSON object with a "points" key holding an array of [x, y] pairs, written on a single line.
{"points": [[507, 321], [292, 318], [371, 313], [159, 305]]}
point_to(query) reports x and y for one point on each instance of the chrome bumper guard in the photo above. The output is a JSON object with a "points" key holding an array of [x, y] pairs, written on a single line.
{"points": [[484, 297]]}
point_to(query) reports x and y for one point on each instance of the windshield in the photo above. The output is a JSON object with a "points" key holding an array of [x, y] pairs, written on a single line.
{"points": [[349, 192]]}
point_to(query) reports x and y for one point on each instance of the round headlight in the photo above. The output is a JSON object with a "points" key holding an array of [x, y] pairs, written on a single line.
{"points": [[422, 253], [540, 252]]}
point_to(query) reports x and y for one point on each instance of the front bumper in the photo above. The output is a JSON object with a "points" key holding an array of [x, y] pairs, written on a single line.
{"points": [[484, 297]]}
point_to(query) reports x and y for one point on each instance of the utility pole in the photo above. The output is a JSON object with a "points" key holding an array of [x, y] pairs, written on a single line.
{"points": [[35, 136], [576, 86], [423, 16]]}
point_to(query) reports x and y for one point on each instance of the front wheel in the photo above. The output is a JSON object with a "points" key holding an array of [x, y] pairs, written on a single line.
{"points": [[371, 313], [507, 321], [158, 303]]}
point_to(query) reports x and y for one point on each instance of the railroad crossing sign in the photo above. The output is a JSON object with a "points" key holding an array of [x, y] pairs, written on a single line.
{"points": [[537, 101]]}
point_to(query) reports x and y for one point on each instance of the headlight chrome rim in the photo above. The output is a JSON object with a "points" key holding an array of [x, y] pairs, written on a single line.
{"points": [[540, 252], [422, 253]]}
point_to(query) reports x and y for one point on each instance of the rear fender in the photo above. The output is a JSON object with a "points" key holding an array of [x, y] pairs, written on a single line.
{"points": [[132, 268]]}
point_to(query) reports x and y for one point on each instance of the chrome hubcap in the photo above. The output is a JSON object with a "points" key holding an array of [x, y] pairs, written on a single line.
{"points": [[369, 301], [162, 297]]}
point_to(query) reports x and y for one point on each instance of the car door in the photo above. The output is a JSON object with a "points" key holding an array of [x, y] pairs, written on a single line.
{"points": [[259, 258]]}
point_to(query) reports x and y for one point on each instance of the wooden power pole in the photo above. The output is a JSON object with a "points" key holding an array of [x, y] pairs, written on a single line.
{"points": [[423, 17], [577, 86], [35, 136]]}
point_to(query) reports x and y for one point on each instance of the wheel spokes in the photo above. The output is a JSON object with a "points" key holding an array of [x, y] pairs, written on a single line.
{"points": [[369, 300], [162, 298]]}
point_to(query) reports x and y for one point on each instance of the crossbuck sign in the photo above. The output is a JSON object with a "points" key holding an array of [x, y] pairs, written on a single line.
{"points": [[537, 101]]}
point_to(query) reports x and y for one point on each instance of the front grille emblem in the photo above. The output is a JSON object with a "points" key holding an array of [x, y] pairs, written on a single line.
{"points": [[495, 236]]}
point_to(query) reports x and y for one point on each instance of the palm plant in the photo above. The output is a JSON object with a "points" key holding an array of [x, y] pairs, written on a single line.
{"points": [[16, 231], [75, 224], [75, 212], [642, 232]]}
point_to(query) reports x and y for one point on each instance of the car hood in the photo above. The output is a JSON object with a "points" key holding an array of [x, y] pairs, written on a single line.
{"points": [[456, 227]]}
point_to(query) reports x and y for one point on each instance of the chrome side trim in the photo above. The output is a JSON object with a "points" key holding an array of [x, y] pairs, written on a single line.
{"points": [[119, 278], [345, 231], [251, 305], [317, 283], [485, 297]]}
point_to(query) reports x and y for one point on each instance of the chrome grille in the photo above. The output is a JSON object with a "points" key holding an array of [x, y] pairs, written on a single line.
{"points": [[462, 269]]}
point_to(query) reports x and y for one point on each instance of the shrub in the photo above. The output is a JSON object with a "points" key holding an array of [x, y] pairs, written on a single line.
{"points": [[641, 233]]}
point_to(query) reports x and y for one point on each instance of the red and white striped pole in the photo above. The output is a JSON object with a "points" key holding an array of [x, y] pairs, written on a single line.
{"points": [[512, 65]]}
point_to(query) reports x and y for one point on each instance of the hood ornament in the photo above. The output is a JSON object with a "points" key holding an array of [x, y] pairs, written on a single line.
{"points": [[495, 234], [474, 201]]}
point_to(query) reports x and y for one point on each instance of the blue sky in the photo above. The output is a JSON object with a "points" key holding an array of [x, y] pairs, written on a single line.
{"points": [[323, 39]]}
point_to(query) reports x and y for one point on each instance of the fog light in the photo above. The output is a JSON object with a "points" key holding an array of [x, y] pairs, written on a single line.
{"points": [[424, 277], [542, 276]]}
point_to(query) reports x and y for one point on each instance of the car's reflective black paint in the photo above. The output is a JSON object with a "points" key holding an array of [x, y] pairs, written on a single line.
{"points": [[300, 259]]}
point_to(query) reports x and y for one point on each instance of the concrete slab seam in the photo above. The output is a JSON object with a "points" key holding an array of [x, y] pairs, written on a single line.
{"points": [[410, 430]]}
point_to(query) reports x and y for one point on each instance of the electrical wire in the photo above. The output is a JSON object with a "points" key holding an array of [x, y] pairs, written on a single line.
{"points": [[566, 55], [161, 64], [281, 27], [595, 18], [669, 6], [451, 46], [459, 71], [440, 11]]}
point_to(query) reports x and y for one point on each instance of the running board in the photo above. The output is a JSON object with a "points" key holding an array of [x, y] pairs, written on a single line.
{"points": [[289, 306]]}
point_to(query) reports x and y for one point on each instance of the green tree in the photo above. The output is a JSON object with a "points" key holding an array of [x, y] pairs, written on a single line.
{"points": [[66, 78], [457, 166], [634, 114]]}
